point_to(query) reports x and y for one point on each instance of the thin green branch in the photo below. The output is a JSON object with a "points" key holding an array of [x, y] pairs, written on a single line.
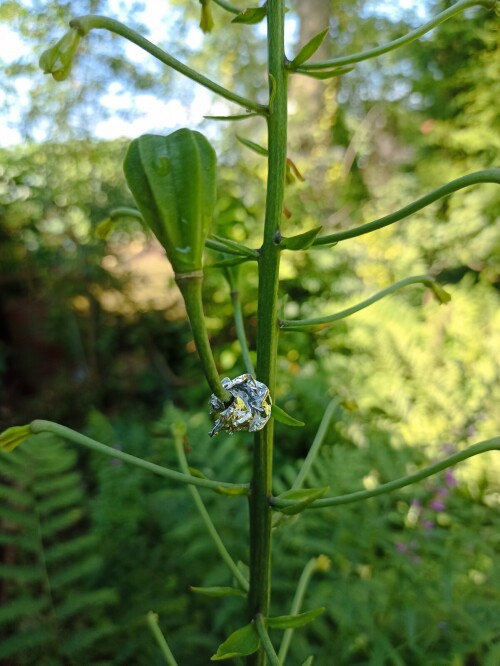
{"points": [[317, 442], [301, 324], [260, 625], [92, 22], [474, 450], [213, 244], [240, 331], [39, 426], [227, 6], [222, 550], [401, 41], [484, 176], [305, 577], [152, 621], [125, 211]]}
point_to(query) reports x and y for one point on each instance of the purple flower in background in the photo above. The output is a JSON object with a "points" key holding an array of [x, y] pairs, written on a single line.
{"points": [[450, 478], [428, 524], [437, 504]]}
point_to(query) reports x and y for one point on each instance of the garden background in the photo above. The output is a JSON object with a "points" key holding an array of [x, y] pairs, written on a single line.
{"points": [[93, 335]]}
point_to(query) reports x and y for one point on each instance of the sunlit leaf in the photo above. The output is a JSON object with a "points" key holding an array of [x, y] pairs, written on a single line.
{"points": [[301, 241], [309, 49], [260, 150], [251, 16]]}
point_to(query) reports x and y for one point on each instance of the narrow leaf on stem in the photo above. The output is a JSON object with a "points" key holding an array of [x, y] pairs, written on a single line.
{"points": [[282, 416], [241, 643], [294, 621], [309, 49]]}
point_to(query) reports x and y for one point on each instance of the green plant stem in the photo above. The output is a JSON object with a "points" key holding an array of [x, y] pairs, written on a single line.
{"points": [[300, 324], [267, 328], [227, 6], [474, 450], [260, 625], [39, 426], [298, 598], [484, 176], [401, 41], [191, 289], [152, 620], [84, 24], [222, 550]]}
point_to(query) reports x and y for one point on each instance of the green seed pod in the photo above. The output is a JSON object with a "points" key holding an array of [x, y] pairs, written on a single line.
{"points": [[173, 179], [57, 60]]}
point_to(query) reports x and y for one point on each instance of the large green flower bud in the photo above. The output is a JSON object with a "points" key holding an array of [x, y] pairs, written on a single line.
{"points": [[173, 179]]}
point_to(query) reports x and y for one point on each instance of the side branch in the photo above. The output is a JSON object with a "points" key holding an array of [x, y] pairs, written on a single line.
{"points": [[301, 324], [84, 24], [40, 426], [401, 41], [474, 450], [484, 176]]}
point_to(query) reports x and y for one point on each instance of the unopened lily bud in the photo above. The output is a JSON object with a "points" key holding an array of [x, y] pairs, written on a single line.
{"points": [[57, 60], [206, 21], [173, 181]]}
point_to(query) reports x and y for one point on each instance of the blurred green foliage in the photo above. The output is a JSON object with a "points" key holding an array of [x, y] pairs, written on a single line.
{"points": [[88, 338]]}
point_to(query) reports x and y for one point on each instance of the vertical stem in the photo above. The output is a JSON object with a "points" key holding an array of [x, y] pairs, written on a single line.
{"points": [[267, 328]]}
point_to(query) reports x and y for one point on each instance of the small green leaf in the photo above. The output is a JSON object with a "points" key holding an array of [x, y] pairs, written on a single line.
{"points": [[232, 491], [13, 436], [242, 116], [219, 591], [241, 643], [324, 74], [309, 49], [303, 496], [308, 661], [230, 262], [293, 621], [441, 295], [260, 150], [301, 241], [281, 416], [251, 16], [196, 472]]}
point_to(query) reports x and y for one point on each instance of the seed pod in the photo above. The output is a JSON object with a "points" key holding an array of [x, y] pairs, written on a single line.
{"points": [[173, 179]]}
